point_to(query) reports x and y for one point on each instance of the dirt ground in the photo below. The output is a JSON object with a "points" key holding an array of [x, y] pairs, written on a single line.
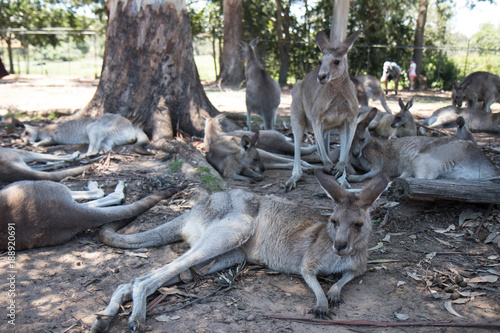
{"points": [[420, 248]]}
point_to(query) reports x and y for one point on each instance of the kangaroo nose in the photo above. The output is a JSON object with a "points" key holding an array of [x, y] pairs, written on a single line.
{"points": [[341, 246], [322, 78]]}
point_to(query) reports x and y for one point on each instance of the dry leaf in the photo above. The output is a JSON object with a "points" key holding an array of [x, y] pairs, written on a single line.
{"points": [[443, 242], [163, 318], [468, 215], [401, 316], [469, 293], [431, 255], [376, 247], [414, 276], [400, 283], [486, 278], [442, 231], [387, 238], [135, 254], [449, 307]]}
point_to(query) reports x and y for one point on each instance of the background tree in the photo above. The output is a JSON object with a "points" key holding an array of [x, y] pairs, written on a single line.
{"points": [[231, 65], [419, 34], [148, 74]]}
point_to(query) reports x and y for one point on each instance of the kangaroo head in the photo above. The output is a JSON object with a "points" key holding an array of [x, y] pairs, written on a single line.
{"points": [[333, 62], [362, 136], [404, 114], [457, 95], [249, 50], [251, 156], [213, 129], [30, 134], [350, 224]]}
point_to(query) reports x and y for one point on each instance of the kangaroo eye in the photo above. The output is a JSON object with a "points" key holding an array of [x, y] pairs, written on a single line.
{"points": [[320, 62], [336, 62], [334, 222], [358, 225]]}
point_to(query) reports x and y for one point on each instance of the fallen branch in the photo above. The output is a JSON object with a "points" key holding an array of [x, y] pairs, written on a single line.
{"points": [[388, 323]]}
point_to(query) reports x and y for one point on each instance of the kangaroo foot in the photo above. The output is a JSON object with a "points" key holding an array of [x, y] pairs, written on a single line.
{"points": [[320, 311], [101, 324]]}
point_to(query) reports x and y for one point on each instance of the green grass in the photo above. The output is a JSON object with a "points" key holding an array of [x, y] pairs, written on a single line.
{"points": [[206, 69], [176, 165]]}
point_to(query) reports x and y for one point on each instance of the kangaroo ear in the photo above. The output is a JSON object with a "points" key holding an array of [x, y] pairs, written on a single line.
{"points": [[363, 123], [254, 42], [253, 140], [322, 41], [401, 104], [373, 189], [245, 142], [454, 83], [460, 122], [331, 186], [346, 45], [16, 123], [410, 103]]}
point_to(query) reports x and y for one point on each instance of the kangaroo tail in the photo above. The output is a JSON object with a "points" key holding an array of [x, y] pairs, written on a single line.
{"points": [[164, 234]]}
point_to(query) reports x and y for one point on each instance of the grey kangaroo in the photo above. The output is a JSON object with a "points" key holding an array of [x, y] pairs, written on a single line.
{"points": [[417, 156], [238, 157], [236, 226], [325, 100], [477, 120], [44, 213], [263, 93], [463, 132], [398, 125], [477, 87], [13, 166], [101, 133], [373, 90]]}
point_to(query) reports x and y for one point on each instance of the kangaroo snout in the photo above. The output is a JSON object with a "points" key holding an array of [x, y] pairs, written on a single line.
{"points": [[322, 78], [341, 247]]}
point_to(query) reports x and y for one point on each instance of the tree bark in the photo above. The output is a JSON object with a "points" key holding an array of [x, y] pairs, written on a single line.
{"points": [[475, 191], [149, 75], [283, 32], [340, 18], [419, 34], [232, 70]]}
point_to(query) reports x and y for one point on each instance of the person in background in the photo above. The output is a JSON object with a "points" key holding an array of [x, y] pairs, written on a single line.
{"points": [[391, 71], [412, 73]]}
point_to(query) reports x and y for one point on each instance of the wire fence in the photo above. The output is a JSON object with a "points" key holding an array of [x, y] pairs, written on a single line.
{"points": [[85, 57]]}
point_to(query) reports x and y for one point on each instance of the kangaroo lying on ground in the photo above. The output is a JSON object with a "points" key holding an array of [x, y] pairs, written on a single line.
{"points": [[325, 100], [236, 226], [477, 120], [13, 166], [263, 93], [477, 87], [226, 156], [391, 126], [373, 90], [417, 156], [44, 213], [101, 133]]}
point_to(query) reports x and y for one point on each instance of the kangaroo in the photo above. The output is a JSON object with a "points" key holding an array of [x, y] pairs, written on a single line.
{"points": [[373, 90], [360, 91], [236, 226], [13, 166], [325, 100], [101, 133], [245, 160], [477, 120], [263, 93], [399, 125], [477, 87], [463, 132], [44, 213], [417, 156], [236, 161]]}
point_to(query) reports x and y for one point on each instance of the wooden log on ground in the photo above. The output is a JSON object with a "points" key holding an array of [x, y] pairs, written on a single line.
{"points": [[474, 191]]}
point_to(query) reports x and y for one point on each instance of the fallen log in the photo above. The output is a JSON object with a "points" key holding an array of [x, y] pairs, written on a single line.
{"points": [[474, 191]]}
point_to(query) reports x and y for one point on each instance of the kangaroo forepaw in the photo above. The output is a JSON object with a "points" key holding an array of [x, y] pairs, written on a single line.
{"points": [[101, 324], [336, 303], [320, 311]]}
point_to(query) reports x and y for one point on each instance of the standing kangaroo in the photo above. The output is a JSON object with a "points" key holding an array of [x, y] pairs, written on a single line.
{"points": [[101, 133], [325, 100], [417, 156], [44, 213], [373, 90], [393, 126], [477, 87], [263, 93], [476, 120], [236, 226], [13, 166]]}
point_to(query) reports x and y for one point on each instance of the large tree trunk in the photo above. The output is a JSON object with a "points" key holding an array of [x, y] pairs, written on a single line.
{"points": [[419, 34], [149, 75], [231, 67], [340, 18], [283, 32]]}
